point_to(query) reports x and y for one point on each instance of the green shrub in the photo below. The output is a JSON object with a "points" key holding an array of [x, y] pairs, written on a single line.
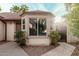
{"points": [[54, 36], [21, 38]]}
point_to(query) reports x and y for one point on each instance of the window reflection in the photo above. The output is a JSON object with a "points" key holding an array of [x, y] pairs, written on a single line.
{"points": [[37, 26], [33, 26], [42, 27]]}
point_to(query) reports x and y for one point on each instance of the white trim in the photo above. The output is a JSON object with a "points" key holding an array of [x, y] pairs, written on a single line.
{"points": [[37, 19], [37, 26], [48, 22]]}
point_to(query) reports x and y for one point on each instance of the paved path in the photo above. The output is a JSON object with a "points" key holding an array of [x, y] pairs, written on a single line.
{"points": [[63, 50], [11, 49]]}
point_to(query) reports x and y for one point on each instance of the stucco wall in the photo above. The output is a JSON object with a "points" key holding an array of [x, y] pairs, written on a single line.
{"points": [[10, 31], [38, 42], [2, 37], [60, 25]]}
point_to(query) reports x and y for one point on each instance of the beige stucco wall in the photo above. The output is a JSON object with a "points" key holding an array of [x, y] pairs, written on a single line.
{"points": [[2, 34], [38, 41], [60, 25], [10, 31]]}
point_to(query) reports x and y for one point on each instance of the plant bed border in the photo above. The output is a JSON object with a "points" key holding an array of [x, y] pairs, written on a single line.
{"points": [[38, 50]]}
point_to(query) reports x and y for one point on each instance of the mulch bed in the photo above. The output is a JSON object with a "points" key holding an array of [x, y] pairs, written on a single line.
{"points": [[76, 51], [38, 50]]}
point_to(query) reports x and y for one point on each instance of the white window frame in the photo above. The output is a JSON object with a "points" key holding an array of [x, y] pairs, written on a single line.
{"points": [[37, 18], [23, 24]]}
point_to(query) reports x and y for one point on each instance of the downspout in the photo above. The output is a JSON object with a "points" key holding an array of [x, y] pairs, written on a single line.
{"points": [[5, 31]]}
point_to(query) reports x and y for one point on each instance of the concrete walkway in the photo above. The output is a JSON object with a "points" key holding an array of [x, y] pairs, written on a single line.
{"points": [[11, 49], [63, 50]]}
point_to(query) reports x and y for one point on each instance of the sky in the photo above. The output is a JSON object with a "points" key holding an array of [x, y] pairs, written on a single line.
{"points": [[58, 9]]}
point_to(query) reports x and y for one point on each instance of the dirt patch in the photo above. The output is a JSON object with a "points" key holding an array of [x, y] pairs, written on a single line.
{"points": [[38, 50]]}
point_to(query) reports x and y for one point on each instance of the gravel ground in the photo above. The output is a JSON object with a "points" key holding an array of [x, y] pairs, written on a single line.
{"points": [[76, 51], [37, 50]]}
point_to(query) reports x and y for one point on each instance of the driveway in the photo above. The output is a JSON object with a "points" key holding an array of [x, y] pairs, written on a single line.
{"points": [[11, 49]]}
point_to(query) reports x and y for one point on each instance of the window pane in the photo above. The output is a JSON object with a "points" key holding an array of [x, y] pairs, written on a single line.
{"points": [[23, 21], [42, 27], [23, 26], [32, 26]]}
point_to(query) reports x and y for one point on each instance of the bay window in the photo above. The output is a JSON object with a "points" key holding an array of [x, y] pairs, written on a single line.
{"points": [[37, 26]]}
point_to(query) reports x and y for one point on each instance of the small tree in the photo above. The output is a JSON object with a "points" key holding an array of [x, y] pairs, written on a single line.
{"points": [[21, 37], [73, 19], [24, 8], [15, 8], [54, 36], [18, 8]]}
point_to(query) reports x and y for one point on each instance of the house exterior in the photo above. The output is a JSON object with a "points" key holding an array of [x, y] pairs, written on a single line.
{"points": [[9, 23], [37, 25]]}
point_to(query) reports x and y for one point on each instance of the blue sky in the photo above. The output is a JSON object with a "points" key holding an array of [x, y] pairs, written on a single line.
{"points": [[57, 8]]}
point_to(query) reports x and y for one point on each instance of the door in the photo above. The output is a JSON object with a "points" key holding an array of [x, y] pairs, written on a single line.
{"points": [[11, 28]]}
